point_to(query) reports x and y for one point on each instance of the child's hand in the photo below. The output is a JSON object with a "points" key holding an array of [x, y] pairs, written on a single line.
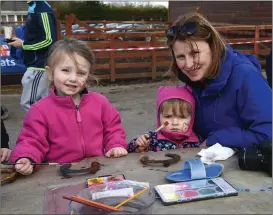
{"points": [[204, 144], [5, 154], [25, 167], [142, 142], [116, 152]]}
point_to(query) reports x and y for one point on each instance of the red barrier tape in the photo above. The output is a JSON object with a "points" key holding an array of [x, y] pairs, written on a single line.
{"points": [[166, 47]]}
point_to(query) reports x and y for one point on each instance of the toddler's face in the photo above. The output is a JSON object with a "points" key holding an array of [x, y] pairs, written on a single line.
{"points": [[176, 122], [70, 75]]}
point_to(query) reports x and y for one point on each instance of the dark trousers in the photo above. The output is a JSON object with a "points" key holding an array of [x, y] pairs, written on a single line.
{"points": [[4, 135]]}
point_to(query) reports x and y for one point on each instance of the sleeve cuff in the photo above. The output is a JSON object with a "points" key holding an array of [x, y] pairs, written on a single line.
{"points": [[28, 156], [211, 140]]}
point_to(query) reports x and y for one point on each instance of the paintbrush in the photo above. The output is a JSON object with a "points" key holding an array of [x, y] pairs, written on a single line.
{"points": [[91, 203], [131, 198], [165, 124], [43, 164], [147, 136]]}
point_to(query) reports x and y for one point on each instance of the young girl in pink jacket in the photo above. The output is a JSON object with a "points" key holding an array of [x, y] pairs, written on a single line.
{"points": [[71, 123]]}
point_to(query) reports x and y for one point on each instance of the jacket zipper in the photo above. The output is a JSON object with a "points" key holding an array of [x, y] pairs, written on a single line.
{"points": [[79, 120], [215, 106]]}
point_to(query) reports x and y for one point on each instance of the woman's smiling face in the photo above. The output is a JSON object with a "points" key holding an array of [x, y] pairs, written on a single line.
{"points": [[193, 61]]}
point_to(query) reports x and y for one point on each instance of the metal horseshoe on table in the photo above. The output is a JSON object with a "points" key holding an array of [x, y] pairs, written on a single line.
{"points": [[67, 172], [11, 177], [174, 158]]}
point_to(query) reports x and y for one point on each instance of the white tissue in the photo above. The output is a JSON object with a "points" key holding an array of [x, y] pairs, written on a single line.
{"points": [[214, 153]]}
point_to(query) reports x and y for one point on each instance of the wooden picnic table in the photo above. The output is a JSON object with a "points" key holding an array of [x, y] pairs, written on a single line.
{"points": [[27, 194]]}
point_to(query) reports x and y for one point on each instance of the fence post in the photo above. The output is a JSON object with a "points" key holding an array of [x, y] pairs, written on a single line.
{"points": [[112, 60], [58, 24], [69, 19], [153, 58], [257, 36], [104, 25]]}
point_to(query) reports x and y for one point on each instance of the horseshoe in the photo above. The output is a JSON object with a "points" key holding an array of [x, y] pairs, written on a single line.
{"points": [[11, 177], [66, 172], [174, 158]]}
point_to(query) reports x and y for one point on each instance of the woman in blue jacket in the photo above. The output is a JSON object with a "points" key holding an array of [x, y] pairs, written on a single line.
{"points": [[234, 101]]}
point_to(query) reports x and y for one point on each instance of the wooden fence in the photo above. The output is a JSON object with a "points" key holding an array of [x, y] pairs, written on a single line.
{"points": [[115, 60], [126, 55]]}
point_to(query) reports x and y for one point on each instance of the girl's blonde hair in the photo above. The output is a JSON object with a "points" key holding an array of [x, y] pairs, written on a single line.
{"points": [[70, 47], [179, 107], [204, 32]]}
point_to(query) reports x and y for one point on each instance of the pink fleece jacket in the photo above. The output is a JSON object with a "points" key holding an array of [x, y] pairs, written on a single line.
{"points": [[176, 92], [56, 130]]}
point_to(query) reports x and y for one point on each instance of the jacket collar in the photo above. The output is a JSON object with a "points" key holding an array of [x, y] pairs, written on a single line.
{"points": [[215, 85], [67, 101]]}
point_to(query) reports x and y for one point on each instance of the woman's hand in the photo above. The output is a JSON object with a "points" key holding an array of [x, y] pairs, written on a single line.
{"points": [[116, 152], [24, 166], [5, 154]]}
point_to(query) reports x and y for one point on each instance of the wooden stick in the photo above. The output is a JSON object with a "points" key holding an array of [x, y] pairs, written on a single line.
{"points": [[91, 203], [83, 202], [97, 203], [13, 164], [44, 164], [131, 198]]}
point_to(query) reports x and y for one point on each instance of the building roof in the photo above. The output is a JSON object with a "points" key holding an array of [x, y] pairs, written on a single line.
{"points": [[14, 6]]}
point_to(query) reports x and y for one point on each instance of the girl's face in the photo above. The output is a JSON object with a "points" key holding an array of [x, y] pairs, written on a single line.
{"points": [[70, 75], [193, 62], [176, 122]]}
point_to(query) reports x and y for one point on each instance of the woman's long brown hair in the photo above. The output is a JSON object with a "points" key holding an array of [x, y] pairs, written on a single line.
{"points": [[215, 41]]}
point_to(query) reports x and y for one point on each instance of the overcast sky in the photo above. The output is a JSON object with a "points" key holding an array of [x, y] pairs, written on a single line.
{"points": [[164, 3]]}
